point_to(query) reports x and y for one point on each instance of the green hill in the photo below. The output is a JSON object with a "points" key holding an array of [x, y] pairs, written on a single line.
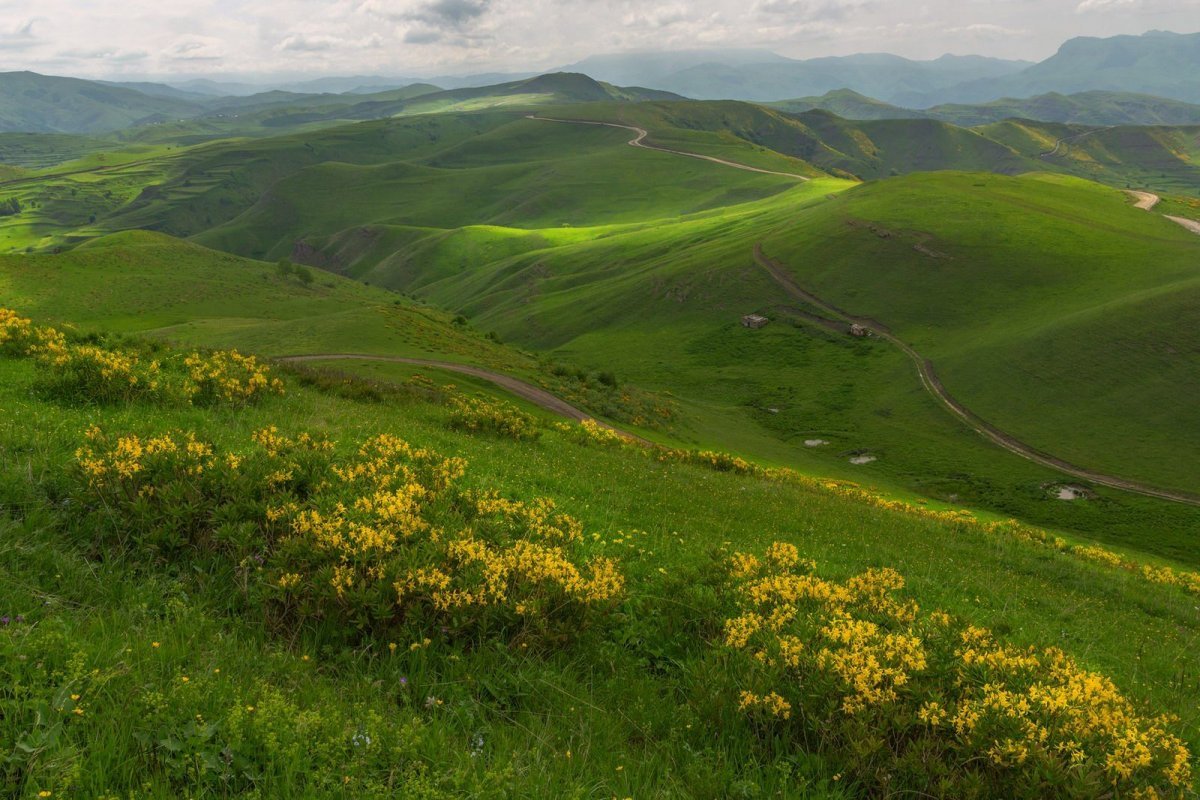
{"points": [[141, 626], [33, 103], [1157, 63], [661, 305], [1083, 108], [848, 104]]}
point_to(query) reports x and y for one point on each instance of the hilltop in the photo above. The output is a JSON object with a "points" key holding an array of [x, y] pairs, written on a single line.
{"points": [[1085, 108], [33, 103]]}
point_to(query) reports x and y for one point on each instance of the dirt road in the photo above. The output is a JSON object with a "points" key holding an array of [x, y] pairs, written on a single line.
{"points": [[640, 135], [527, 391], [933, 385], [1191, 224], [1145, 200], [1062, 146]]}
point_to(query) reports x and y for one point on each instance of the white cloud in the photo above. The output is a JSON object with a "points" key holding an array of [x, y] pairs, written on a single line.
{"points": [[1105, 5], [425, 37]]}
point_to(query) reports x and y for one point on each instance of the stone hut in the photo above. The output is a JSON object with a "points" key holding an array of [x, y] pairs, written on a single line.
{"points": [[754, 321]]}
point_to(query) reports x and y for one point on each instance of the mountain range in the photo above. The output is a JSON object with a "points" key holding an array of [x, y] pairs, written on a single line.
{"points": [[1148, 79], [1084, 108]]}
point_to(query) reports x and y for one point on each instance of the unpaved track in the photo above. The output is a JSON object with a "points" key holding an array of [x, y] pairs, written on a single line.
{"points": [[640, 135], [1145, 200], [933, 385], [534, 394], [1064, 146], [1191, 224]]}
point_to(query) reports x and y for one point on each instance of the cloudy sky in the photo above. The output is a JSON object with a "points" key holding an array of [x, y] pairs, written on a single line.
{"points": [[144, 38]]}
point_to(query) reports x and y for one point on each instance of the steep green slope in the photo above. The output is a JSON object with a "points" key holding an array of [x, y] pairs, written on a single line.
{"points": [[1083, 108], [965, 267], [527, 173], [959, 265], [33, 103], [1163, 158], [149, 284], [166, 666]]}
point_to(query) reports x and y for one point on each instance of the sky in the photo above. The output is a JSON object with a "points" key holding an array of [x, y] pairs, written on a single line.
{"points": [[246, 38]]}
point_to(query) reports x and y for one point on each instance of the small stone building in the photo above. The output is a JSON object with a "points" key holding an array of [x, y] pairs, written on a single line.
{"points": [[754, 321]]}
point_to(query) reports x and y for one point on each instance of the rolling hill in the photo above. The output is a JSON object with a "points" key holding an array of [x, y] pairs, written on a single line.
{"points": [[375, 578], [1157, 63], [1085, 108], [32, 103]]}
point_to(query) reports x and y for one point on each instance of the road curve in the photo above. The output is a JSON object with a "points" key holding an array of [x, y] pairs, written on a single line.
{"points": [[1064, 141], [527, 391], [933, 385], [1144, 200], [1191, 224], [639, 140]]}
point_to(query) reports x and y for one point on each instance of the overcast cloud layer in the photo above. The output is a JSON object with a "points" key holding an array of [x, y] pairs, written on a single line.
{"points": [[136, 38]]}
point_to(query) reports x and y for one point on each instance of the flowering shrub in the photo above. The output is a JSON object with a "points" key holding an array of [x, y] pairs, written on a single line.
{"points": [[478, 415], [20, 337], [84, 373], [718, 462], [589, 431], [928, 704], [381, 537], [227, 377]]}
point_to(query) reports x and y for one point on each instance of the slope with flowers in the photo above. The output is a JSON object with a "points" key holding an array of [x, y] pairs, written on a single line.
{"points": [[277, 590]]}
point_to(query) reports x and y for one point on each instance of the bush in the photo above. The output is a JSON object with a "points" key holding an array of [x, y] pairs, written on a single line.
{"points": [[86, 374], [382, 538], [477, 415], [227, 377], [924, 704], [19, 337]]}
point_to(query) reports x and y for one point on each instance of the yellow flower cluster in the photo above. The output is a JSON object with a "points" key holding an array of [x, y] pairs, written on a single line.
{"points": [[88, 373], [382, 534], [478, 415], [851, 651], [126, 464], [227, 377], [719, 462], [20, 337], [500, 553], [589, 431], [770, 704]]}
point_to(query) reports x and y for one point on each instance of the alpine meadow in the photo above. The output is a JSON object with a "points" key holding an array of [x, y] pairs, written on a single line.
{"points": [[478, 399]]}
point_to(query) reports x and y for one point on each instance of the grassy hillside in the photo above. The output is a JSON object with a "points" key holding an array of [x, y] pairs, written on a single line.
{"points": [[661, 305], [138, 663], [1082, 108], [1163, 158], [152, 285], [32, 103]]}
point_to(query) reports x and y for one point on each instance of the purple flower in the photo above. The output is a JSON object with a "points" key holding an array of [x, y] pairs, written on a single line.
{"points": [[403, 681], [4, 620]]}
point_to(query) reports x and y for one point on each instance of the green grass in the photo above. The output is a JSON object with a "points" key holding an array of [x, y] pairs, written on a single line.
{"points": [[644, 704]]}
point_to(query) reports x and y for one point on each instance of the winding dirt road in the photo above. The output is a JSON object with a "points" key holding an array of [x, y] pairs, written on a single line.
{"points": [[933, 385], [639, 140], [527, 391], [1059, 145], [1145, 200], [1191, 224]]}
